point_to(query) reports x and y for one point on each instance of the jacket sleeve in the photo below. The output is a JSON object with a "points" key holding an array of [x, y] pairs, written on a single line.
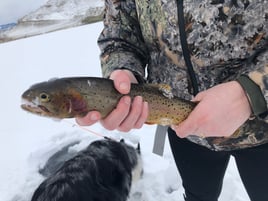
{"points": [[255, 84], [121, 42]]}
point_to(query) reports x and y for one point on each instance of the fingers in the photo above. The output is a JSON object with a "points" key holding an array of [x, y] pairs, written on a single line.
{"points": [[185, 128], [143, 117], [198, 97], [114, 119], [137, 115], [220, 111], [127, 115], [89, 119], [190, 126], [122, 80]]}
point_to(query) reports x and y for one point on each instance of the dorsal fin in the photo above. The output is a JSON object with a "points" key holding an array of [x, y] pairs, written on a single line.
{"points": [[165, 89]]}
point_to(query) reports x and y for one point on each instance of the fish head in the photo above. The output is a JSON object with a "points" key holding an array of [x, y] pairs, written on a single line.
{"points": [[45, 100]]}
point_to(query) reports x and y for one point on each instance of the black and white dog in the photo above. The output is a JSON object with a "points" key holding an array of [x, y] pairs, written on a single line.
{"points": [[104, 171]]}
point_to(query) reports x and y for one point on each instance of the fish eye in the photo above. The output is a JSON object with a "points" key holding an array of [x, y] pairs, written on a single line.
{"points": [[44, 97]]}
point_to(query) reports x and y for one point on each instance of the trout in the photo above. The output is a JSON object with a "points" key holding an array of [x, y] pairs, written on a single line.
{"points": [[76, 96]]}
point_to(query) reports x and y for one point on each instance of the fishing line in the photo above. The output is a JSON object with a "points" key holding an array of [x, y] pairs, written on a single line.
{"points": [[85, 129], [93, 132]]}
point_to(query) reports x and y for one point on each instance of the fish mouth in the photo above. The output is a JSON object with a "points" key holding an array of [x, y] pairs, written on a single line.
{"points": [[34, 108]]}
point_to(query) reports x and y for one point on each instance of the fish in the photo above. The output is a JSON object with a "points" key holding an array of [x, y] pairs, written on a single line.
{"points": [[71, 97]]}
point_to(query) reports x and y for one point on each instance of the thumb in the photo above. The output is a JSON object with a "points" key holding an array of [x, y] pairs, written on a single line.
{"points": [[198, 97], [122, 80], [184, 129]]}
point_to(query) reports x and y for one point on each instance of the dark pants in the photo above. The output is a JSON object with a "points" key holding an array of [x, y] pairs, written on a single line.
{"points": [[202, 170]]}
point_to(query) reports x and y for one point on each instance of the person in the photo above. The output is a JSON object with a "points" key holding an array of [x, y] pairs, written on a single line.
{"points": [[227, 43]]}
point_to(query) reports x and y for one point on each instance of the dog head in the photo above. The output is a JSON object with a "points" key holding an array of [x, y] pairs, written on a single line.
{"points": [[103, 171]]}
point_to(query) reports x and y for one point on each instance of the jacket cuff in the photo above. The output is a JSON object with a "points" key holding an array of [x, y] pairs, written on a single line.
{"points": [[254, 95]]}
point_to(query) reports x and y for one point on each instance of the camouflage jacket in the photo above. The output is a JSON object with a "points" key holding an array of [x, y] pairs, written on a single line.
{"points": [[143, 36]]}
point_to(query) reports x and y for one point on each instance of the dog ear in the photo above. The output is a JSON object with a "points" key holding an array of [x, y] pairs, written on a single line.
{"points": [[122, 140], [107, 138], [138, 148]]}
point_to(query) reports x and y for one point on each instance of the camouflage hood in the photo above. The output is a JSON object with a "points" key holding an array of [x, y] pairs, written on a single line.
{"points": [[143, 36]]}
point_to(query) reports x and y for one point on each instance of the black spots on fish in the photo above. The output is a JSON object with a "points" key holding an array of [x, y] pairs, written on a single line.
{"points": [[99, 104], [178, 120], [89, 96]]}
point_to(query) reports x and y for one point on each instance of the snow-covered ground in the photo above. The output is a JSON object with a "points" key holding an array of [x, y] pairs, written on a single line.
{"points": [[27, 140]]}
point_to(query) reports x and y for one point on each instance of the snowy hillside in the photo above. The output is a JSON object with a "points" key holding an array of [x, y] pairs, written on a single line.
{"points": [[27, 141], [55, 15]]}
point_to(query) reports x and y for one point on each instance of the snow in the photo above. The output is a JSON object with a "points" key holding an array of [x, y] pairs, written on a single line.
{"points": [[27, 140]]}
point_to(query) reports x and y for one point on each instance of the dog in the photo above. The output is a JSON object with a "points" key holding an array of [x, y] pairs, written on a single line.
{"points": [[104, 171]]}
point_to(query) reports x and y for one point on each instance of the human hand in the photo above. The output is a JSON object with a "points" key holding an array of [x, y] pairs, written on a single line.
{"points": [[128, 114], [220, 112]]}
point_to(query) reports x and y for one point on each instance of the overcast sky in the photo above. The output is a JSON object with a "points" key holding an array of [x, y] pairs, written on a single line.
{"points": [[12, 10]]}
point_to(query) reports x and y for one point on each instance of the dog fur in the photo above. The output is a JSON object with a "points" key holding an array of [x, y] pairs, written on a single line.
{"points": [[101, 172]]}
